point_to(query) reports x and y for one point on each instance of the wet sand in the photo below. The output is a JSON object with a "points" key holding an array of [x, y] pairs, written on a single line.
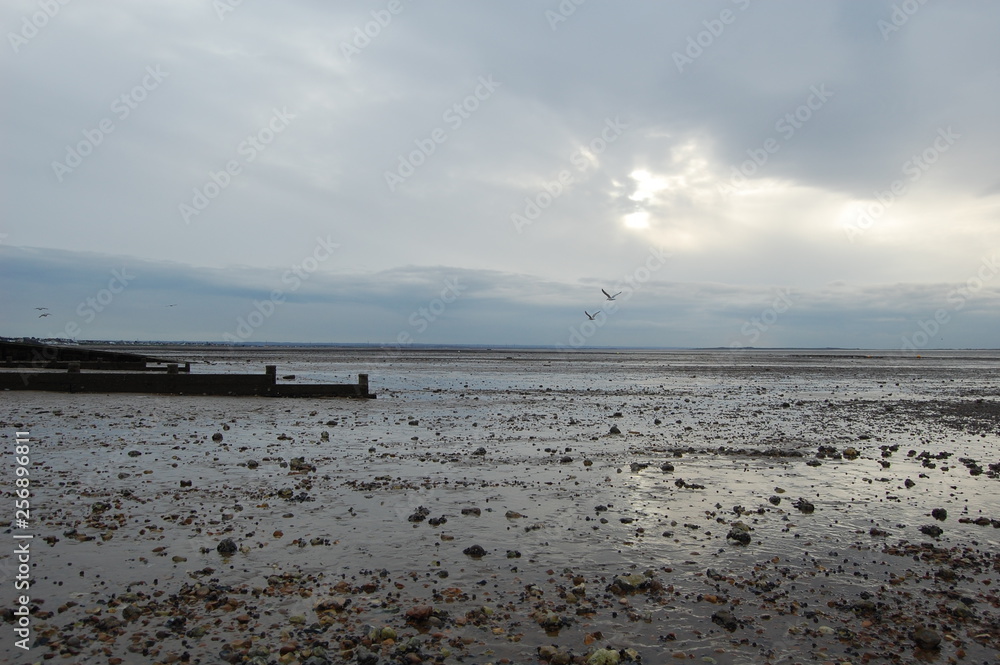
{"points": [[521, 507]]}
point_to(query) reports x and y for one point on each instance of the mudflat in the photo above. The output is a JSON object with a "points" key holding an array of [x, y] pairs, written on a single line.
{"points": [[516, 506]]}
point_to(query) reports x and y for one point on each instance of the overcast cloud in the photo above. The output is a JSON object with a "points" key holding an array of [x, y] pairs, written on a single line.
{"points": [[756, 173]]}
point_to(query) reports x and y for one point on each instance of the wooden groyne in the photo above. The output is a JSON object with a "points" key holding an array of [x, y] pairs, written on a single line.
{"points": [[39, 355], [174, 382]]}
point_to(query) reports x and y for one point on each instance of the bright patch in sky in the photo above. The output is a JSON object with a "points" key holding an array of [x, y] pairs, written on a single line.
{"points": [[637, 220]]}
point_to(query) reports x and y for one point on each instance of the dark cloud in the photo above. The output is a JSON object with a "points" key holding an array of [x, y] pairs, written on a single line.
{"points": [[123, 297], [415, 139]]}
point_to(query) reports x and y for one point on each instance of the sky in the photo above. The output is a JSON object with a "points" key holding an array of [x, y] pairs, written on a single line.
{"points": [[740, 172]]}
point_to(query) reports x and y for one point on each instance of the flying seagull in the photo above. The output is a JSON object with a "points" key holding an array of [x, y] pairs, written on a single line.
{"points": [[611, 297], [43, 315], [591, 316], [41, 308]]}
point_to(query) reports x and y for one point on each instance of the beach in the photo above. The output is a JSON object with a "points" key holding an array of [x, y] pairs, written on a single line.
{"points": [[516, 506]]}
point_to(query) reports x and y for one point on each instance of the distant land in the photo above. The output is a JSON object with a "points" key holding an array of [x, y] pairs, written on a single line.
{"points": [[428, 346]]}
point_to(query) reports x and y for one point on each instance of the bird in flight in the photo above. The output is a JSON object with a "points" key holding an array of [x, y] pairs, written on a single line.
{"points": [[591, 316], [611, 297], [41, 308], [44, 315]]}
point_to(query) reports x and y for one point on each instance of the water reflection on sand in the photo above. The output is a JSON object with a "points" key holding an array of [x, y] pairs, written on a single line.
{"points": [[525, 437]]}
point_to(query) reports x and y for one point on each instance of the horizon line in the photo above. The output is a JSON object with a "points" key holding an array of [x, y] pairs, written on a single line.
{"points": [[485, 346]]}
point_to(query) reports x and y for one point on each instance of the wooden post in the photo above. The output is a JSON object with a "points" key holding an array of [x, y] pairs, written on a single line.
{"points": [[272, 373], [171, 368], [363, 383]]}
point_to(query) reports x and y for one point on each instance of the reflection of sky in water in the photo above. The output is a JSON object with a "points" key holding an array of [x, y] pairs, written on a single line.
{"points": [[372, 474]]}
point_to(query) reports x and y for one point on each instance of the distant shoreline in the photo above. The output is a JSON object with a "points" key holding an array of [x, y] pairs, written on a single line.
{"points": [[479, 347]]}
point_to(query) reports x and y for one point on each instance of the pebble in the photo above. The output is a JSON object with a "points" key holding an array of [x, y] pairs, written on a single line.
{"points": [[227, 547], [604, 657], [932, 530], [925, 638], [725, 619], [804, 505], [740, 533], [419, 613]]}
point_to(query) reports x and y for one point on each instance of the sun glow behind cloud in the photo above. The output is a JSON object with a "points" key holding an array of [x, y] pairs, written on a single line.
{"points": [[688, 200], [637, 220]]}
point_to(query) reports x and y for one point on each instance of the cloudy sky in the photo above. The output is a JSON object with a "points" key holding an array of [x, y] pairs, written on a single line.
{"points": [[744, 172]]}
